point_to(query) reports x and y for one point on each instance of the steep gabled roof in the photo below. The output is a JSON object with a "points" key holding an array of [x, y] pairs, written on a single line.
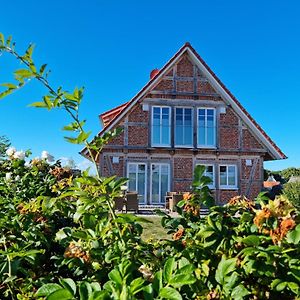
{"points": [[113, 117]]}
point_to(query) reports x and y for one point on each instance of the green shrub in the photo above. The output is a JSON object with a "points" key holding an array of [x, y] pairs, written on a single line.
{"points": [[292, 192]]}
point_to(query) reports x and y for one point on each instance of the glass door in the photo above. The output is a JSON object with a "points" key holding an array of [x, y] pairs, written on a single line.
{"points": [[160, 182], [136, 172]]}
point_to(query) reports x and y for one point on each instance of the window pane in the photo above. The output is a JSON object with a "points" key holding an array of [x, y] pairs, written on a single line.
{"points": [[131, 168], [201, 136], [179, 135], [210, 137], [223, 175], [188, 135], [165, 139], [156, 134], [231, 175], [141, 186], [132, 182], [165, 111], [164, 186], [141, 168]]}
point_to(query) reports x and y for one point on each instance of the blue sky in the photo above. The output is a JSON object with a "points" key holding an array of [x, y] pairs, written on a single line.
{"points": [[111, 46]]}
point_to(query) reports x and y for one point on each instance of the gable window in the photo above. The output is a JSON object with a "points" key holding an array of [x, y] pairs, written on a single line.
{"points": [[228, 176], [206, 127], [183, 127], [161, 126], [210, 172]]}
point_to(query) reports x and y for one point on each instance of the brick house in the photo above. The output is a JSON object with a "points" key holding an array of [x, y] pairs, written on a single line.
{"points": [[182, 117]]}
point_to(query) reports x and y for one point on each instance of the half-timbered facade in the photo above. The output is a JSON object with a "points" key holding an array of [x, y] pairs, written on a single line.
{"points": [[185, 116]]}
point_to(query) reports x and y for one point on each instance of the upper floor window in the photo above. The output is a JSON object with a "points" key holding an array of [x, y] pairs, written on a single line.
{"points": [[228, 176], [206, 127], [183, 126], [161, 126]]}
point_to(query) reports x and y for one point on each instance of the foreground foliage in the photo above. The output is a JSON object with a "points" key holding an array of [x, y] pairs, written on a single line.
{"points": [[60, 237]]}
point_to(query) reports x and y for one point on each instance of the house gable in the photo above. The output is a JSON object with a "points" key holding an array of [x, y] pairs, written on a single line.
{"points": [[185, 79]]}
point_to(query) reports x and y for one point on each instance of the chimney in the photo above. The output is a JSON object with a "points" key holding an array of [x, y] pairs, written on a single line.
{"points": [[154, 73]]}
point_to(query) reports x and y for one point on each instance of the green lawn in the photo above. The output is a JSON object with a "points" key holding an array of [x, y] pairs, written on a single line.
{"points": [[154, 230]]}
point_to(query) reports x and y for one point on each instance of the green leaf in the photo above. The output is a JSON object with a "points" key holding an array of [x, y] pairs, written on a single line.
{"points": [[9, 85], [137, 285], [251, 240], [281, 286], [182, 279], [47, 289], [42, 69], [225, 267], [168, 269], [2, 38], [115, 276], [239, 292], [60, 294], [85, 291], [24, 73], [157, 282], [68, 284], [38, 104], [169, 293], [6, 93], [47, 102], [71, 140], [293, 237], [83, 136]]}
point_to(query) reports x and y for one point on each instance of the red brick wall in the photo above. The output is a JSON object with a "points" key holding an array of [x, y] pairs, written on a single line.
{"points": [[249, 141], [185, 68], [226, 195], [229, 118], [138, 135], [118, 140], [138, 115], [185, 86], [183, 167]]}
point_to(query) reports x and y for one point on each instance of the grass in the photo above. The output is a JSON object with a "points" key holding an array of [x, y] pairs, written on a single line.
{"points": [[154, 230]]}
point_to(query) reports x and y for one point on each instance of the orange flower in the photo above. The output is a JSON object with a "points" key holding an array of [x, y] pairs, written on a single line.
{"points": [[285, 226], [187, 196], [261, 216], [177, 235]]}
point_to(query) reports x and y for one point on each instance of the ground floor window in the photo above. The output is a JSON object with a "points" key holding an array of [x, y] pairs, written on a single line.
{"points": [[228, 176], [137, 174], [160, 182], [210, 172]]}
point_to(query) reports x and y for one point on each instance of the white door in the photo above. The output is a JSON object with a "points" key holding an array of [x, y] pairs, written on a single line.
{"points": [[160, 182], [136, 172]]}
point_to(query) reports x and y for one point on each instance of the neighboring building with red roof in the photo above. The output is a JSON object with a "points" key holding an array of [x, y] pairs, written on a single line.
{"points": [[182, 117]]}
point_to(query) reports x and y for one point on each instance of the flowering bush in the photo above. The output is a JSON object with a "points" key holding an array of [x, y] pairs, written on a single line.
{"points": [[60, 237]]}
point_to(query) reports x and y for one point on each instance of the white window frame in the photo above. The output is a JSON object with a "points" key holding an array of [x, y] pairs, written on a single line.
{"points": [[192, 128], [136, 173], [215, 128], [169, 181], [212, 185], [152, 131], [228, 187]]}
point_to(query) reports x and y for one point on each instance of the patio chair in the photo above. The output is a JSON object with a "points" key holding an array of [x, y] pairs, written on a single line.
{"points": [[174, 200], [119, 203], [168, 197], [132, 202]]}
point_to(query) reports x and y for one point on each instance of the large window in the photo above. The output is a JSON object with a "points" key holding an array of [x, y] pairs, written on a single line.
{"points": [[161, 126], [183, 127], [228, 176], [206, 127]]}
